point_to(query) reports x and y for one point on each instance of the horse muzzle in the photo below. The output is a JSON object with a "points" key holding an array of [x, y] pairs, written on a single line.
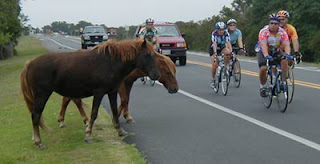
{"points": [[172, 90]]}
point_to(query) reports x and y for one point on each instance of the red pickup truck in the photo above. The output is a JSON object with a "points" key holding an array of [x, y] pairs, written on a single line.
{"points": [[171, 41]]}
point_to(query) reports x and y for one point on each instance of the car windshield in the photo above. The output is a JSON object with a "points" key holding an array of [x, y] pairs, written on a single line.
{"points": [[169, 31], [93, 30]]}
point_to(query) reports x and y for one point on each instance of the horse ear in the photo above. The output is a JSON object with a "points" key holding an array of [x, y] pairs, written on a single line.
{"points": [[144, 44]]}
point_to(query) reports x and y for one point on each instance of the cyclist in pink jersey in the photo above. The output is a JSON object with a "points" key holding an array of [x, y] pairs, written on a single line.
{"points": [[271, 38]]}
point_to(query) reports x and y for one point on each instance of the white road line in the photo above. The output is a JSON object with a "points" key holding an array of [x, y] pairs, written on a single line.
{"points": [[72, 40], [62, 44], [254, 121]]}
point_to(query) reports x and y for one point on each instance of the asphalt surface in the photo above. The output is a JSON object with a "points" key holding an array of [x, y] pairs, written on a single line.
{"points": [[197, 125]]}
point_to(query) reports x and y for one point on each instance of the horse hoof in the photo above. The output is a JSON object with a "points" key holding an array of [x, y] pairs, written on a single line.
{"points": [[130, 121], [88, 140], [41, 146], [62, 125], [122, 132]]}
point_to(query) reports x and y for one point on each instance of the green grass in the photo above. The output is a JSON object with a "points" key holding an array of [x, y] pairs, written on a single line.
{"points": [[63, 145]]}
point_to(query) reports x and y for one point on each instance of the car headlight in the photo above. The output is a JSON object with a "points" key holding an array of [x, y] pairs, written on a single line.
{"points": [[181, 44], [105, 37], [86, 37]]}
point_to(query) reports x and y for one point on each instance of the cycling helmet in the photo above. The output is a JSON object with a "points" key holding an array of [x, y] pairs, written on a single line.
{"points": [[220, 25], [231, 21], [149, 21], [283, 13], [274, 17]]}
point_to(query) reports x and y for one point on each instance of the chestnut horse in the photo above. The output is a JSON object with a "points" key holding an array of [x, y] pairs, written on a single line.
{"points": [[82, 74], [167, 78]]}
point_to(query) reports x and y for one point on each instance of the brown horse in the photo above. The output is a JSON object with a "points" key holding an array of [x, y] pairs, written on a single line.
{"points": [[167, 78], [82, 74]]}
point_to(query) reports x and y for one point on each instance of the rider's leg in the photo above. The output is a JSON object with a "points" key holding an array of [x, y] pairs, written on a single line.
{"points": [[262, 74], [227, 55], [214, 65]]}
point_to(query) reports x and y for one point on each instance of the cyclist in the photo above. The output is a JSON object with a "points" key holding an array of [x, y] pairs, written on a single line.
{"points": [[271, 37], [149, 32], [291, 31], [220, 43], [235, 36]]}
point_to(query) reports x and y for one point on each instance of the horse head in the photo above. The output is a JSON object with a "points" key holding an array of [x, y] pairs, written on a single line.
{"points": [[146, 60], [168, 73]]}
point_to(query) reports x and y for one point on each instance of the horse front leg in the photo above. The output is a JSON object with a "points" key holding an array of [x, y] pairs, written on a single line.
{"points": [[65, 103], [94, 113], [79, 104], [124, 92], [115, 119]]}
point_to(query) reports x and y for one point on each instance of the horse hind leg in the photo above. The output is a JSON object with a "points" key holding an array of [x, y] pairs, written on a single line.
{"points": [[39, 104], [65, 103], [79, 104]]}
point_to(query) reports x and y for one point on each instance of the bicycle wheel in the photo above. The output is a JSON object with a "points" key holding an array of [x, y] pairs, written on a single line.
{"points": [[152, 82], [290, 84], [224, 80], [282, 93], [144, 79], [267, 101], [236, 73]]}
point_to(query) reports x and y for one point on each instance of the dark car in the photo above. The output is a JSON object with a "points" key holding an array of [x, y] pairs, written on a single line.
{"points": [[171, 41], [93, 35]]}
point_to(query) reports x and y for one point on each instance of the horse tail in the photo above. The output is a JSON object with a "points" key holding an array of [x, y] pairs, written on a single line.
{"points": [[28, 94]]}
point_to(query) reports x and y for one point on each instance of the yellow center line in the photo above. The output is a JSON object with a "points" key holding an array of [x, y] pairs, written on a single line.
{"points": [[251, 73]]}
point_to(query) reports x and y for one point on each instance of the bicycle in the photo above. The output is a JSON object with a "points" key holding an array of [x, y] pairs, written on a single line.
{"points": [[277, 86], [291, 77], [234, 63], [144, 80], [221, 76]]}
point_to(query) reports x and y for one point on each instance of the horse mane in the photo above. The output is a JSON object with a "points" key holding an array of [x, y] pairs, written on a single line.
{"points": [[168, 62], [127, 50]]}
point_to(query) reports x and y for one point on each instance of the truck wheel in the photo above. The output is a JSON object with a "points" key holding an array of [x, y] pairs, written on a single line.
{"points": [[174, 59], [83, 46], [183, 60]]}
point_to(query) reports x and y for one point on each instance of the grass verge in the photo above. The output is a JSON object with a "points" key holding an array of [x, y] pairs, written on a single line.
{"points": [[64, 145]]}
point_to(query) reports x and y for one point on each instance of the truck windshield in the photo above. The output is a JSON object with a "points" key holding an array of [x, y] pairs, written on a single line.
{"points": [[167, 31], [93, 30]]}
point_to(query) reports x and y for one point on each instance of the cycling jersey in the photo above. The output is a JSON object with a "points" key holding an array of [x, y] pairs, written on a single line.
{"points": [[220, 40], [273, 40], [149, 34], [291, 31], [234, 36]]}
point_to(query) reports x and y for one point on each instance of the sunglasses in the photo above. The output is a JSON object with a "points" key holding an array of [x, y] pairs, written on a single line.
{"points": [[232, 25], [274, 23], [281, 19]]}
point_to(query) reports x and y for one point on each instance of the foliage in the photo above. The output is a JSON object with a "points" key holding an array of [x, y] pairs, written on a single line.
{"points": [[10, 26]]}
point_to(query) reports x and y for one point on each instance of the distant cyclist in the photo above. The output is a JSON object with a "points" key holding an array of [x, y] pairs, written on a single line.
{"points": [[291, 31], [220, 43], [235, 36], [149, 32], [271, 38]]}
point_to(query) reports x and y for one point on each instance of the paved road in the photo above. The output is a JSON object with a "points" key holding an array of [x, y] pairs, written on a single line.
{"points": [[199, 126]]}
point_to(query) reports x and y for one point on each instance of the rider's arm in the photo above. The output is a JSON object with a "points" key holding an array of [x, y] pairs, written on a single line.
{"points": [[264, 48], [214, 46], [295, 43], [240, 44], [287, 48]]}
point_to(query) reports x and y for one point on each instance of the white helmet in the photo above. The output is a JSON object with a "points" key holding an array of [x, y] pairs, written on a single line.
{"points": [[231, 21]]}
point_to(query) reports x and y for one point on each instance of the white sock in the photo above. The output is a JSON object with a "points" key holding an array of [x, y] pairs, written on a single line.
{"points": [[262, 86]]}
